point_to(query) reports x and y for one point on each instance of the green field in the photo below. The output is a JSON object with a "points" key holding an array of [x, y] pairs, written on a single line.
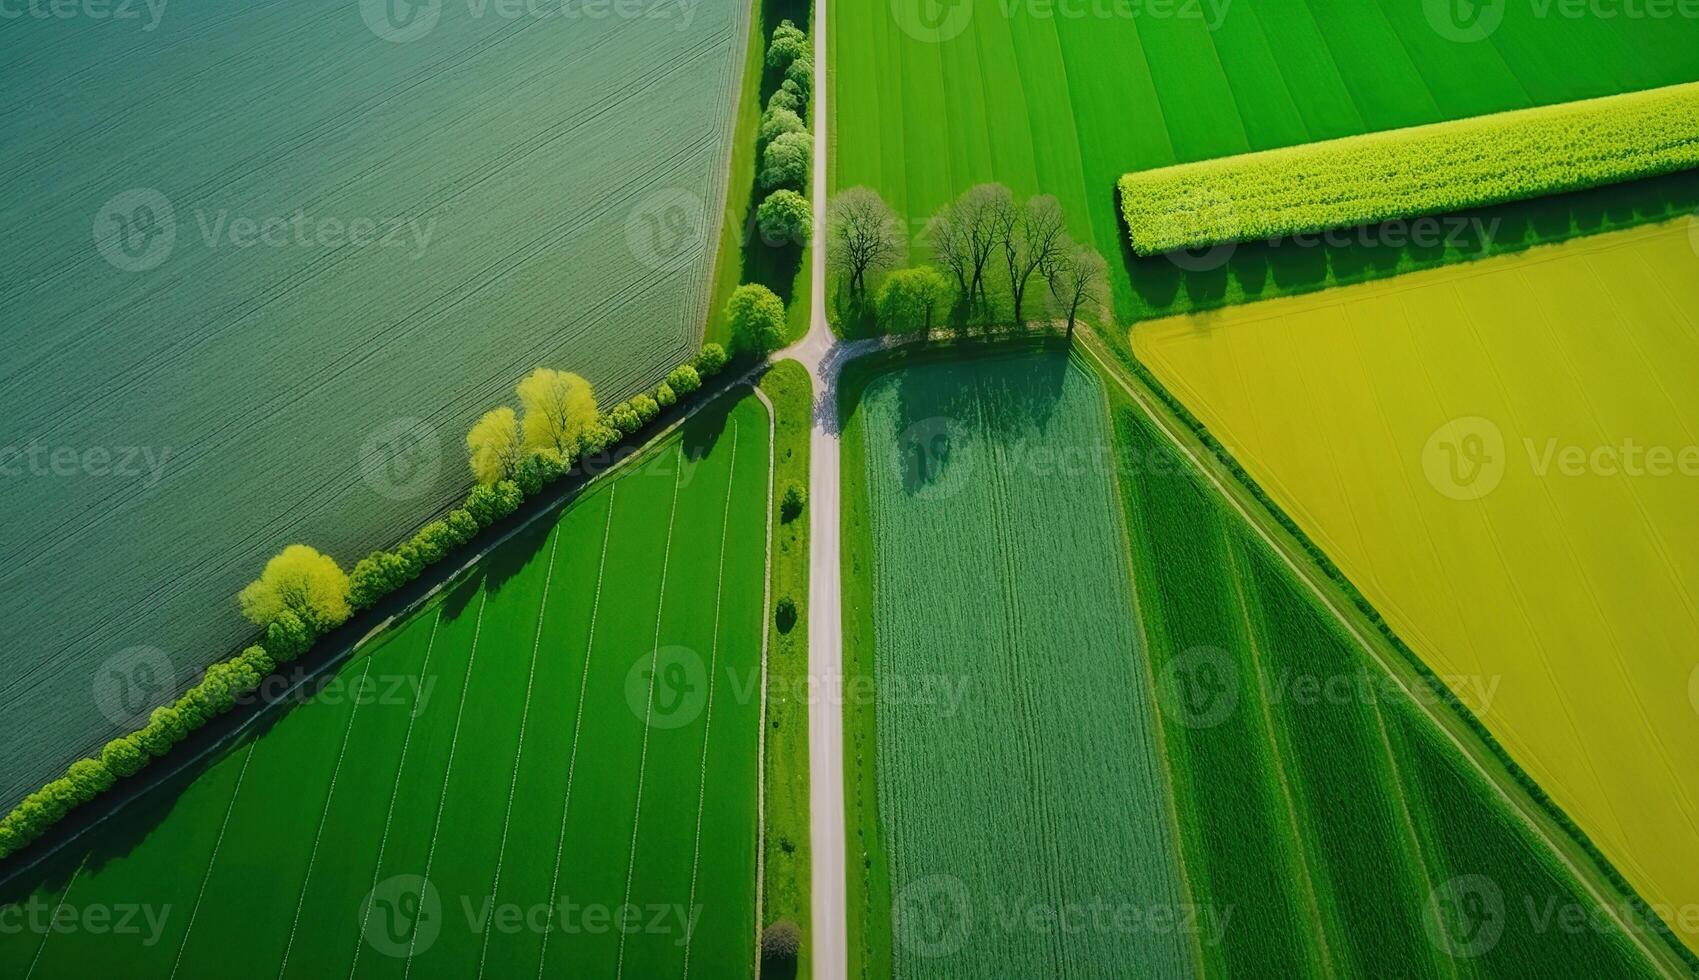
{"points": [[539, 189], [1020, 770], [572, 726], [1230, 748], [1066, 98]]}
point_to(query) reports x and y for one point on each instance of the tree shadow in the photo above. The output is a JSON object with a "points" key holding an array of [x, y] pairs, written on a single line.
{"points": [[1301, 264]]}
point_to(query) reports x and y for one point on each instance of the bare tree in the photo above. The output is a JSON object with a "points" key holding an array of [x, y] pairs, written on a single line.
{"points": [[863, 236], [1031, 238], [1079, 281], [963, 236]]}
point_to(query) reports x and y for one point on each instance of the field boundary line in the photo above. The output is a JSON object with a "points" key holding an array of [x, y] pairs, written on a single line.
{"points": [[1585, 874], [212, 861], [36, 960], [578, 722], [639, 454], [1325, 919], [448, 771], [395, 792], [761, 732], [713, 664], [649, 704], [519, 754], [324, 818]]}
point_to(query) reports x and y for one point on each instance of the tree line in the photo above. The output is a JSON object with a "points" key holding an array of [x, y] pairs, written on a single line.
{"points": [[301, 594], [981, 236]]}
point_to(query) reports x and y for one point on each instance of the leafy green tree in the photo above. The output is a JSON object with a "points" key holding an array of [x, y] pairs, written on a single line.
{"points": [[665, 396], [684, 379], [302, 581], [164, 729], [757, 319], [787, 44], [646, 408], [911, 299], [493, 445], [257, 659], [559, 408], [777, 121], [287, 636], [785, 161], [788, 96], [711, 361], [540, 468], [462, 525], [124, 756], [433, 542], [624, 419], [801, 71], [89, 778], [490, 504], [785, 219], [377, 575]]}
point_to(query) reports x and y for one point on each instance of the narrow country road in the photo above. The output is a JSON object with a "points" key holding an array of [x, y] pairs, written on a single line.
{"points": [[817, 353]]}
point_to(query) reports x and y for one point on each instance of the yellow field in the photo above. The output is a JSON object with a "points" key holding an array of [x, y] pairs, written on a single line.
{"points": [[1504, 457]]}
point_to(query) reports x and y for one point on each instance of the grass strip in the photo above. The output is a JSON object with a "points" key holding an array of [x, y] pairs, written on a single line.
{"points": [[1405, 173]]}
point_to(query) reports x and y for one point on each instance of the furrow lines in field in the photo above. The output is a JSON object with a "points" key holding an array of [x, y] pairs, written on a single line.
{"points": [[213, 860]]}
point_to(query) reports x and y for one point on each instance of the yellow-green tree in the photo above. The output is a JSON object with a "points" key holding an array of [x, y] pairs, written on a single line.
{"points": [[302, 581], [493, 445], [560, 408]]}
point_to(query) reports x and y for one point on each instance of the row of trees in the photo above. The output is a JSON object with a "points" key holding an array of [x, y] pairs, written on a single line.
{"points": [[983, 234], [787, 148], [302, 594]]}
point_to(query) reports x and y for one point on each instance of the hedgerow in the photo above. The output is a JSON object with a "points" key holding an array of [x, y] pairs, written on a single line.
{"points": [[1405, 173], [304, 594]]}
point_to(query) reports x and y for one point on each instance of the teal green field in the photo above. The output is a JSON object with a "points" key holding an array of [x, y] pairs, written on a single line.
{"points": [[1145, 692], [365, 241], [1064, 99], [569, 732]]}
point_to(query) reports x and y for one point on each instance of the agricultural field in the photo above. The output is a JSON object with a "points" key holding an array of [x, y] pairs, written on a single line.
{"points": [[1019, 766], [268, 261], [1064, 99], [1502, 457], [1238, 767], [570, 729]]}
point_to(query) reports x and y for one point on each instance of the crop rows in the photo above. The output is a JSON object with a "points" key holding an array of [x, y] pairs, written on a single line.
{"points": [[1420, 170], [500, 752], [1040, 788], [1350, 812]]}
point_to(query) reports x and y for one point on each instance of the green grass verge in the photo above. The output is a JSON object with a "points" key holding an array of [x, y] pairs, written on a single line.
{"points": [[1412, 172], [787, 846]]}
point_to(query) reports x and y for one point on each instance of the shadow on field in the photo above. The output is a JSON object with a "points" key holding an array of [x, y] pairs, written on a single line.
{"points": [[942, 402], [1185, 282]]}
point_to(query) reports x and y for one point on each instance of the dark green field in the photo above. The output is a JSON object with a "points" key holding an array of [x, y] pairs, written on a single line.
{"points": [[1064, 98], [573, 727]]}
